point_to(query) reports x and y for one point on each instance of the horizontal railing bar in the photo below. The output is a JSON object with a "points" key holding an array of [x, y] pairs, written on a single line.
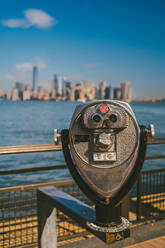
{"points": [[34, 186], [153, 171], [156, 141], [57, 183], [154, 157], [30, 149], [52, 147], [54, 167]]}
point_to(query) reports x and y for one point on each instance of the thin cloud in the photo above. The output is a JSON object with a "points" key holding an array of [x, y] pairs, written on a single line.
{"points": [[9, 77], [32, 18], [39, 18], [24, 67], [76, 77], [14, 23], [28, 66], [93, 65], [41, 64]]}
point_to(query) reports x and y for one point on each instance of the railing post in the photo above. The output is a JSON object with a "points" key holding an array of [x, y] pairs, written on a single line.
{"points": [[139, 192]]}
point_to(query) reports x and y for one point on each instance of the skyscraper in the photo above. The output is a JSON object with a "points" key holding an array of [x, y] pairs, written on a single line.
{"points": [[126, 91], [117, 93], [35, 79], [68, 90], [108, 91], [64, 81], [21, 87], [101, 91], [57, 84]]}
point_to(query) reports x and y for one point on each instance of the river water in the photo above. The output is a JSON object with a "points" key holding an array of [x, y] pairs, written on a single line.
{"points": [[33, 122]]}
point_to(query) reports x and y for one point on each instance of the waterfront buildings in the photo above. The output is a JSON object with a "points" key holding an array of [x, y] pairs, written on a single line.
{"points": [[84, 91], [62, 89]]}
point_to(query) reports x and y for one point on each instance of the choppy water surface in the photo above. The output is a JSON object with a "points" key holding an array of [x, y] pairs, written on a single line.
{"points": [[33, 122]]}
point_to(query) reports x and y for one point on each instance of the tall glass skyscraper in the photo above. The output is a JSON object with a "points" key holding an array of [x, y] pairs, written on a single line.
{"points": [[58, 85], [35, 79]]}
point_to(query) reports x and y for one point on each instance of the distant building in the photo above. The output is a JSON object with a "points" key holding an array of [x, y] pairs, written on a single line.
{"points": [[108, 92], [68, 90], [20, 87], [64, 81], [27, 95], [35, 80], [15, 95], [78, 92], [101, 91], [57, 85], [90, 92], [117, 93], [8, 96], [68, 85], [62, 89], [53, 94], [126, 91], [43, 93], [2, 94]]}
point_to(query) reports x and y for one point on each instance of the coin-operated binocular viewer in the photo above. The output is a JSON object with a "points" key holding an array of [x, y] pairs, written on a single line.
{"points": [[104, 149]]}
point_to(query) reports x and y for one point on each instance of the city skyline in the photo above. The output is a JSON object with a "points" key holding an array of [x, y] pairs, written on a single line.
{"points": [[91, 40], [64, 90]]}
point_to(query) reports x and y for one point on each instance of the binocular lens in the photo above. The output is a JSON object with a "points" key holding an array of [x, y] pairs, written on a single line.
{"points": [[113, 117], [96, 118]]}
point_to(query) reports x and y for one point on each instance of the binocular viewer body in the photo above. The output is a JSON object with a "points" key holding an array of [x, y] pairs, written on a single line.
{"points": [[104, 149], [104, 141]]}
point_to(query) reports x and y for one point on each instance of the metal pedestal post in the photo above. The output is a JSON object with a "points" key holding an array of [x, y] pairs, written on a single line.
{"points": [[50, 198]]}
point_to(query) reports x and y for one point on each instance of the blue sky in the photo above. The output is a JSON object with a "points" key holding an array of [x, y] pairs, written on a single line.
{"points": [[91, 39]]}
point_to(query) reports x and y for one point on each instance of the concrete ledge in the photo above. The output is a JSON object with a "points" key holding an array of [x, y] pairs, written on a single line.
{"points": [[138, 234]]}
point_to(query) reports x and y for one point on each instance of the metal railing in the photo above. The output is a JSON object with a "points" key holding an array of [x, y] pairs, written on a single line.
{"points": [[30, 149], [18, 215], [18, 210], [151, 195], [51, 148]]}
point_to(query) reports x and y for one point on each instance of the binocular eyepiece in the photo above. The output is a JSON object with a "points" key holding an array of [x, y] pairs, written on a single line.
{"points": [[104, 115]]}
